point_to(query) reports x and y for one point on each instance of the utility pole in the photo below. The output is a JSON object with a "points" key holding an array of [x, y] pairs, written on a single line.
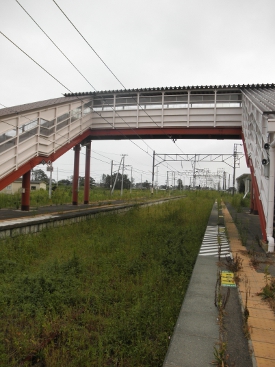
{"points": [[50, 169], [234, 166], [153, 173], [235, 153], [194, 173], [157, 177], [111, 178], [131, 180], [116, 176], [123, 161]]}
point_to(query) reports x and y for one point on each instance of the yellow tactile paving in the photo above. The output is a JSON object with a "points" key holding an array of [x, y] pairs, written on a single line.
{"points": [[255, 304], [261, 324], [263, 362], [262, 313], [261, 321], [262, 335], [263, 350]]}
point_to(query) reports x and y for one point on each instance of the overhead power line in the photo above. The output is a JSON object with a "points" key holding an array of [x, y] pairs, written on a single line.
{"points": [[81, 35], [73, 66], [35, 62], [55, 44], [89, 45], [63, 86], [79, 70]]}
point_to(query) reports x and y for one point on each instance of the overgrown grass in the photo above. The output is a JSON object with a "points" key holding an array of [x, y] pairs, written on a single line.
{"points": [[63, 195], [237, 201], [106, 292]]}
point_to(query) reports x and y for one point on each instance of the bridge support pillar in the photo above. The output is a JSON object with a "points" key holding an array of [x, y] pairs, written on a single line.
{"points": [[87, 173], [253, 203], [271, 185], [26, 188], [76, 174]]}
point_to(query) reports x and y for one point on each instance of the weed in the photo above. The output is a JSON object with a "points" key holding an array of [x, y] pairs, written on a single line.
{"points": [[220, 299], [266, 275], [238, 202], [245, 310], [268, 291], [243, 233], [220, 354], [235, 265], [254, 258], [220, 302], [257, 258], [99, 292]]}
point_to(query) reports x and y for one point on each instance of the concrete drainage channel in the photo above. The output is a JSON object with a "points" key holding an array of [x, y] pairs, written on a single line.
{"points": [[26, 225]]}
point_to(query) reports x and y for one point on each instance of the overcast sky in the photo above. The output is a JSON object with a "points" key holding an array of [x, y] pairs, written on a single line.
{"points": [[146, 43]]}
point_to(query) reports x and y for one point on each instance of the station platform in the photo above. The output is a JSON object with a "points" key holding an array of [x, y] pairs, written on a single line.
{"points": [[199, 339]]}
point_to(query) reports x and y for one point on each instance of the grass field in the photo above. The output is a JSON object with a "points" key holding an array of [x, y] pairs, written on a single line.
{"points": [[63, 195], [105, 292]]}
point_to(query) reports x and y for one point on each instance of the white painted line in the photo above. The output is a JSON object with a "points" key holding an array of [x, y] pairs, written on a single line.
{"points": [[215, 242], [26, 220]]}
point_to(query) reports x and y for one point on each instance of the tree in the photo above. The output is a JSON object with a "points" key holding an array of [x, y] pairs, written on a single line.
{"points": [[40, 175], [82, 181], [103, 179], [92, 182], [64, 182], [126, 181]]}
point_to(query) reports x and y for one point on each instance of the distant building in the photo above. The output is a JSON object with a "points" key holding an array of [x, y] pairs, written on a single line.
{"points": [[243, 183], [16, 187]]}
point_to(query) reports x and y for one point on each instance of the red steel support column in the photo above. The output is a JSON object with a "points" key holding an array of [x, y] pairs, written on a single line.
{"points": [[76, 174], [257, 205], [251, 198], [26, 189], [87, 173], [253, 209]]}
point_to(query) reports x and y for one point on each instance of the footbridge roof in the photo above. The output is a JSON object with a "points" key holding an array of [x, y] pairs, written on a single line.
{"points": [[262, 95]]}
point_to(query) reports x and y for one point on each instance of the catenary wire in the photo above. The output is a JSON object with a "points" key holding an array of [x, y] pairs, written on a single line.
{"points": [[78, 70], [104, 63], [57, 79], [66, 89]]}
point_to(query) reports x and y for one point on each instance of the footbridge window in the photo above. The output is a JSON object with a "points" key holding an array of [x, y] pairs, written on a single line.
{"points": [[229, 100], [7, 140], [167, 100], [46, 127], [26, 131]]}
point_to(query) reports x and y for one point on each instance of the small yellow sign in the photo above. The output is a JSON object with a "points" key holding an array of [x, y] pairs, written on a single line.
{"points": [[227, 279]]}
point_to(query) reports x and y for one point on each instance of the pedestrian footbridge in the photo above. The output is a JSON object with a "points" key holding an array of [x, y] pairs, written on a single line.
{"points": [[45, 130]]}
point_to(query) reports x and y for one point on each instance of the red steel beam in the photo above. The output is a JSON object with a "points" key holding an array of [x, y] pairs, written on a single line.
{"points": [[223, 133], [162, 132], [14, 175], [259, 205]]}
